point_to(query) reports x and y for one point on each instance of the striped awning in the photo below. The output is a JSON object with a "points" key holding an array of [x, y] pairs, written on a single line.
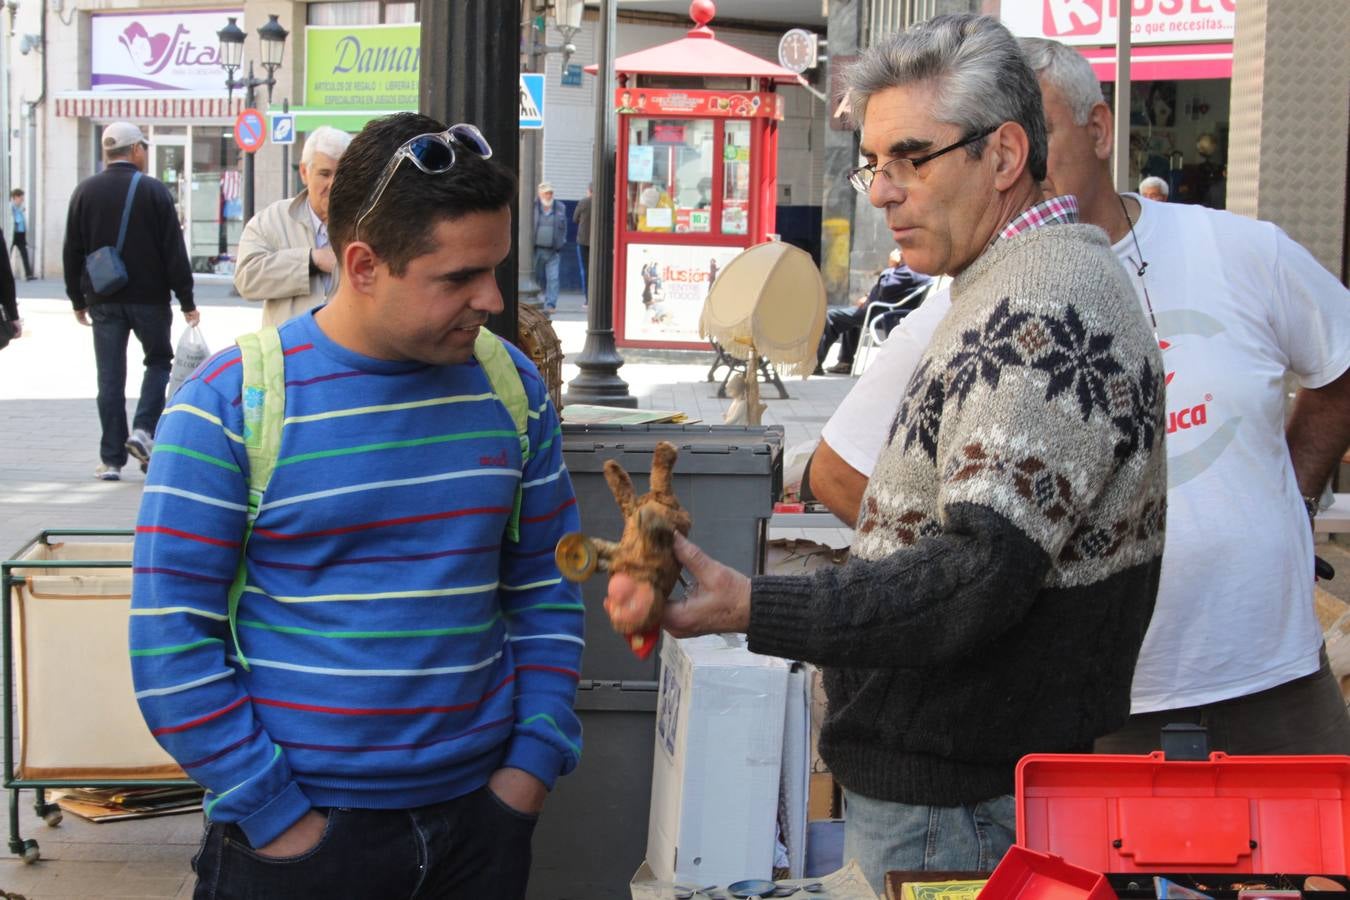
{"points": [[145, 106]]}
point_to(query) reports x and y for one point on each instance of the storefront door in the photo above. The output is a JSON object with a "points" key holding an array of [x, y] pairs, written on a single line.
{"points": [[169, 163]]}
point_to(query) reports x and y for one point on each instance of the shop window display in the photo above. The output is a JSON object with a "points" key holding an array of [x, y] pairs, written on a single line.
{"points": [[670, 175], [1179, 133]]}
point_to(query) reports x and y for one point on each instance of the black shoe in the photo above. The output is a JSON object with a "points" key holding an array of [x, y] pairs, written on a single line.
{"points": [[841, 368], [819, 370], [31, 278]]}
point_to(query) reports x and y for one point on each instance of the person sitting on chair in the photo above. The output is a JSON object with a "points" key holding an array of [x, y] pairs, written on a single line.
{"points": [[844, 325]]}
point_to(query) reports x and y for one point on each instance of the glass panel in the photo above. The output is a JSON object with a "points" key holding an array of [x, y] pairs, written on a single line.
{"points": [[217, 200], [736, 178], [670, 168], [345, 12], [168, 167]]}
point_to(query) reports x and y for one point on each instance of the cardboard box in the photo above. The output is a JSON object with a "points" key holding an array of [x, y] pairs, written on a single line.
{"points": [[822, 801], [717, 766]]}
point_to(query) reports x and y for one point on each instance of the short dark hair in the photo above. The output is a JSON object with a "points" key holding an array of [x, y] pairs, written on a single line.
{"points": [[399, 228], [17, 192]]}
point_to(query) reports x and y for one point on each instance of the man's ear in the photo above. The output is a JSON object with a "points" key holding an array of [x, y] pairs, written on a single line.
{"points": [[304, 174], [1101, 126], [359, 266], [1009, 148]]}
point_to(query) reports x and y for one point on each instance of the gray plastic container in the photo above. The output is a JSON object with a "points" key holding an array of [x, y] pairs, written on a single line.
{"points": [[592, 835], [727, 476]]}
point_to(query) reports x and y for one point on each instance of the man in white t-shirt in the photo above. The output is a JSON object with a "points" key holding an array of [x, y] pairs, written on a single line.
{"points": [[1234, 643]]}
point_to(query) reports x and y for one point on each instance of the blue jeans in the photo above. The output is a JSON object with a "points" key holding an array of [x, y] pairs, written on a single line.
{"points": [[884, 836], [583, 260], [113, 324], [470, 847], [546, 274]]}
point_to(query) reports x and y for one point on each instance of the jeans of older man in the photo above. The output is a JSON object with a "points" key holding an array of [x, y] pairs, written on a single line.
{"points": [[546, 262], [884, 836], [113, 325]]}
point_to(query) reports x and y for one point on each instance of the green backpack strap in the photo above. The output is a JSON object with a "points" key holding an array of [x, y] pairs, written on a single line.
{"points": [[264, 402], [501, 373]]}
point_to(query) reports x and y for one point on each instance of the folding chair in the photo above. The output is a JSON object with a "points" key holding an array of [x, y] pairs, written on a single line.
{"points": [[871, 335]]}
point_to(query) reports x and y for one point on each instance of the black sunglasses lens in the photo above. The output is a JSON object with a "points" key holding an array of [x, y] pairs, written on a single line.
{"points": [[473, 139], [432, 154]]}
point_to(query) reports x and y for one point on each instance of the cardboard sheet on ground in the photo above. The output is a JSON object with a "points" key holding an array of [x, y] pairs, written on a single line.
{"points": [[847, 883]]}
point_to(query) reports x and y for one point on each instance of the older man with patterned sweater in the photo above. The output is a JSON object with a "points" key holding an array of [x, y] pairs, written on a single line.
{"points": [[1008, 550]]}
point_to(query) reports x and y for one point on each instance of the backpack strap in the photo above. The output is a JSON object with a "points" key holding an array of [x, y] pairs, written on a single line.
{"points": [[501, 373], [264, 402], [126, 212]]}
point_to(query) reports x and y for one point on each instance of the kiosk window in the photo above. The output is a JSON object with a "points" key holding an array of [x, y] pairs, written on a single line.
{"points": [[736, 178], [670, 174]]}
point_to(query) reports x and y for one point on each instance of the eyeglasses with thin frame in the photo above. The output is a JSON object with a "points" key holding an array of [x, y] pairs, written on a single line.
{"points": [[862, 177], [433, 154]]}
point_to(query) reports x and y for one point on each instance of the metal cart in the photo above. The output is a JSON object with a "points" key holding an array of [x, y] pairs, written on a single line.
{"points": [[16, 780]]}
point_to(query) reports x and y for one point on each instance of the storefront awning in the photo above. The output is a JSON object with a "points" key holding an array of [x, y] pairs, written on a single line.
{"points": [[1165, 62], [307, 118], [147, 106]]}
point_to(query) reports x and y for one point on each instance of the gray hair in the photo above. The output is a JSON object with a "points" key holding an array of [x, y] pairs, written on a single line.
{"points": [[326, 140], [1068, 71], [978, 76], [1153, 181]]}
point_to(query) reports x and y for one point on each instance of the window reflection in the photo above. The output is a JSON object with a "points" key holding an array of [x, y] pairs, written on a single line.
{"points": [[670, 175]]}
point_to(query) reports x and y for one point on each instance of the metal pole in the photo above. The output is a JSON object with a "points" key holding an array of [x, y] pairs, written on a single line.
{"points": [[469, 73], [248, 156], [599, 381], [286, 156], [529, 178], [1121, 161]]}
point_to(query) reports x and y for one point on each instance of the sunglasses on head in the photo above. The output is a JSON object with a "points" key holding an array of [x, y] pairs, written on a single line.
{"points": [[434, 154]]}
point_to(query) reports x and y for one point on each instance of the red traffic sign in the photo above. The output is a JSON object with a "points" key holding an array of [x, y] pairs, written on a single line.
{"points": [[249, 131]]}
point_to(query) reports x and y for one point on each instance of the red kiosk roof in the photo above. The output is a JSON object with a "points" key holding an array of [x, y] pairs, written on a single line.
{"points": [[699, 54]]}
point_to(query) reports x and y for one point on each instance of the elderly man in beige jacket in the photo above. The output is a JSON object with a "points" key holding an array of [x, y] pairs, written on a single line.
{"points": [[285, 260]]}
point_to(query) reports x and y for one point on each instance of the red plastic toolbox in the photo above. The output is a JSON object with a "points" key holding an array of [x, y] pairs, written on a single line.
{"points": [[1145, 814], [1027, 875]]}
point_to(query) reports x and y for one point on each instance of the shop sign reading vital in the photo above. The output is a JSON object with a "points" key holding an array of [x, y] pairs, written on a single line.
{"points": [[370, 67], [158, 51], [1094, 21]]}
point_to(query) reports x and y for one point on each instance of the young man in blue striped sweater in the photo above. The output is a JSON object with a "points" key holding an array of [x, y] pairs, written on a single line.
{"points": [[398, 699]]}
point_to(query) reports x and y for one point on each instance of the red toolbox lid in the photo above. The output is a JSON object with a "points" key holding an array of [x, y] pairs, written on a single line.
{"points": [[1240, 814], [1027, 875]]}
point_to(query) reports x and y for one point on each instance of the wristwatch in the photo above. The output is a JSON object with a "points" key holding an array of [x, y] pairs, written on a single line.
{"points": [[1313, 503]]}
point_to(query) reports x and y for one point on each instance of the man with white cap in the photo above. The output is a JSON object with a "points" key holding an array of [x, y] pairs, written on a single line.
{"points": [[550, 233], [285, 260], [124, 210]]}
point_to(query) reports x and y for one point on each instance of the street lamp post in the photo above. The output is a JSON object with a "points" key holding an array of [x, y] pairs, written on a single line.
{"points": [[273, 38]]}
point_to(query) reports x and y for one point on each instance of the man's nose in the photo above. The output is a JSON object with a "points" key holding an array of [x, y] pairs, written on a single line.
{"points": [[488, 300], [884, 192]]}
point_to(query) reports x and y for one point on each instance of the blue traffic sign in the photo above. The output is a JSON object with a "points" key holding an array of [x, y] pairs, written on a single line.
{"points": [[249, 132], [283, 128], [531, 100]]}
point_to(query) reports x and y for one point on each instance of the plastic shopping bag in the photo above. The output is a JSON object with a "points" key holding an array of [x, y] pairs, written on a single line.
{"points": [[190, 353]]}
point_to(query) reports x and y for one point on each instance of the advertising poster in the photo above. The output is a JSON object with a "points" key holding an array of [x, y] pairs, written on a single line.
{"points": [[158, 51], [664, 289], [1094, 21]]}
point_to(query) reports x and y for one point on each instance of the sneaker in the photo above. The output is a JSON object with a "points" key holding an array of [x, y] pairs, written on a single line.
{"points": [[140, 445], [841, 368], [105, 472]]}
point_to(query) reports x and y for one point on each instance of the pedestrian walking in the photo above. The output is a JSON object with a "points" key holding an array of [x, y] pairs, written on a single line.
{"points": [[550, 234], [582, 216], [131, 214], [21, 231]]}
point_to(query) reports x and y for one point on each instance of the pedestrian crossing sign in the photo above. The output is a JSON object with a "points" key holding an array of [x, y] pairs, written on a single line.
{"points": [[531, 100]]}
